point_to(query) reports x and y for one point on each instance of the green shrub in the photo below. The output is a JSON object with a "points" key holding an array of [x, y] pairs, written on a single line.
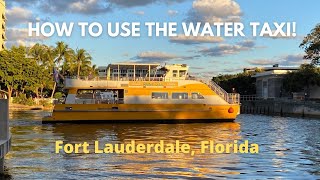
{"points": [[58, 95], [29, 102], [22, 99], [45, 103]]}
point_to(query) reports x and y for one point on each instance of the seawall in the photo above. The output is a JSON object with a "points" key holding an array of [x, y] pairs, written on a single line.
{"points": [[292, 108]]}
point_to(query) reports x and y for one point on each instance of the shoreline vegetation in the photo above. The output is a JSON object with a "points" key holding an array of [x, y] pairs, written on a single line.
{"points": [[37, 73], [21, 107], [300, 81]]}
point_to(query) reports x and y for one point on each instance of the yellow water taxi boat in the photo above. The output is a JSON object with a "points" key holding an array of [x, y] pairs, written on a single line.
{"points": [[144, 93]]}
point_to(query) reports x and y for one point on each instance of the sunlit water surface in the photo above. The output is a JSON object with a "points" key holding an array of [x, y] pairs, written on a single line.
{"points": [[289, 149]]}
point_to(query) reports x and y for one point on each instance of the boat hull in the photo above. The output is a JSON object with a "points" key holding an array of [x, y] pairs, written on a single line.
{"points": [[143, 113]]}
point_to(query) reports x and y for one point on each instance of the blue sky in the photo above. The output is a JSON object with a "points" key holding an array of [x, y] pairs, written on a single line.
{"points": [[206, 57]]}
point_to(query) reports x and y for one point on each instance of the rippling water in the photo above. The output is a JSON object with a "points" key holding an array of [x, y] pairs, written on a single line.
{"points": [[289, 148]]}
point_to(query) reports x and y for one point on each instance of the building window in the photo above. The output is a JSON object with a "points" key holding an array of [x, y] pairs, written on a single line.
{"points": [[159, 95], [179, 95], [196, 95]]}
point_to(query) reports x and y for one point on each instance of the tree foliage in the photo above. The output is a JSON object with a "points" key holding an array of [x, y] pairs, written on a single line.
{"points": [[12, 63], [30, 69], [301, 80], [242, 83], [311, 45]]}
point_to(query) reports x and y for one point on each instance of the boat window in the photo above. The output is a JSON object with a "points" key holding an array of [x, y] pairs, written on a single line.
{"points": [[182, 73], [174, 73], [196, 95], [180, 95], [85, 94], [159, 95]]}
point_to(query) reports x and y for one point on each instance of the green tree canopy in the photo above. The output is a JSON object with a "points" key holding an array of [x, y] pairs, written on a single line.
{"points": [[242, 83], [64, 54], [83, 61], [297, 81], [311, 45], [14, 69], [25, 69]]}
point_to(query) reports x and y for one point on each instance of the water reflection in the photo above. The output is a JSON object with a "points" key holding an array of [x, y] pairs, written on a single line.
{"points": [[161, 165], [288, 148]]}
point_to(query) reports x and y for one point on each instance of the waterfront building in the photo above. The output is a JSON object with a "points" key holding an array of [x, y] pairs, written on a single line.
{"points": [[269, 84], [2, 24], [269, 81]]}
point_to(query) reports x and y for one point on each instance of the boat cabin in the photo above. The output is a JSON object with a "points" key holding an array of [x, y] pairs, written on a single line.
{"points": [[143, 72], [115, 80]]}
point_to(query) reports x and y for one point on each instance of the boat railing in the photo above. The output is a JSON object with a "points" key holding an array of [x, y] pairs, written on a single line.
{"points": [[218, 90], [86, 78], [167, 79], [249, 98], [93, 101], [231, 98], [234, 98], [97, 101]]}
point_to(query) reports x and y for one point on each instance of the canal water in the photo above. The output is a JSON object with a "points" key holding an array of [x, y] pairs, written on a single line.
{"points": [[289, 149]]}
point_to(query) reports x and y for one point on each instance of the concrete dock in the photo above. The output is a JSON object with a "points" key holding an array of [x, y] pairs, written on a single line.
{"points": [[5, 137]]}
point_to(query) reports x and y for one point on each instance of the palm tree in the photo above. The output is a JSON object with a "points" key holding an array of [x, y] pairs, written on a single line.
{"points": [[49, 57], [69, 64], [94, 70], [82, 60], [37, 51], [44, 56], [63, 53]]}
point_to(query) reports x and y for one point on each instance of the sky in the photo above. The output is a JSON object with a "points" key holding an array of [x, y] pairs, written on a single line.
{"points": [[206, 56]]}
